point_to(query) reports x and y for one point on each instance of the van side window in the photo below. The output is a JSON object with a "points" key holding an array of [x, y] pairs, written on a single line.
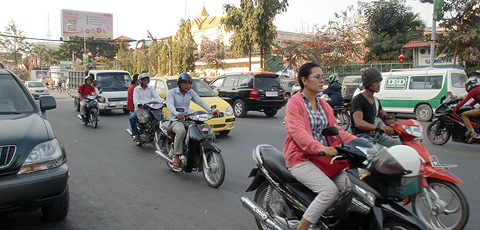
{"points": [[426, 82], [160, 87], [458, 80]]}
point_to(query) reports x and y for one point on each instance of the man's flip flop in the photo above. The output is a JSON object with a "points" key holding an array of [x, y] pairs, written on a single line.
{"points": [[175, 167]]}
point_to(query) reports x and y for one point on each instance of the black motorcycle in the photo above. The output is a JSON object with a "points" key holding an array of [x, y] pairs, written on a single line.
{"points": [[149, 117], [200, 151], [280, 200], [342, 114], [91, 110], [448, 124]]}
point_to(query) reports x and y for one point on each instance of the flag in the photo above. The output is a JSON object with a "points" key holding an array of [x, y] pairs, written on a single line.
{"points": [[149, 35]]}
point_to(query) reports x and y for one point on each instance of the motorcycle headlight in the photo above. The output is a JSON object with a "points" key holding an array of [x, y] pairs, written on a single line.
{"points": [[154, 105], [370, 196], [416, 131], [229, 111], [44, 156], [200, 117]]}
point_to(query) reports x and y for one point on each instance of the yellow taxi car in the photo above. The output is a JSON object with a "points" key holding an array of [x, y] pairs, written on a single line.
{"points": [[222, 124]]}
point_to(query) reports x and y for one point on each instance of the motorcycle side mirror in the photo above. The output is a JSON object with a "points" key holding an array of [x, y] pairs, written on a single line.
{"points": [[442, 99], [330, 131], [213, 106]]}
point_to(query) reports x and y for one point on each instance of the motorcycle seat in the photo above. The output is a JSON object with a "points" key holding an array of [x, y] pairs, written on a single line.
{"points": [[275, 163]]}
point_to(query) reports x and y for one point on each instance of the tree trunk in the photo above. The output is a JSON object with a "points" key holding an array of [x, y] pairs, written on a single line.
{"points": [[250, 59], [261, 59]]}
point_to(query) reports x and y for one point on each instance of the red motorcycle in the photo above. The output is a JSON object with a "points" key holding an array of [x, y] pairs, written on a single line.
{"points": [[440, 204]]}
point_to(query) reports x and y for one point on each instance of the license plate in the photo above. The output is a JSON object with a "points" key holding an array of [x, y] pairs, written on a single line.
{"points": [[119, 106], [271, 93]]}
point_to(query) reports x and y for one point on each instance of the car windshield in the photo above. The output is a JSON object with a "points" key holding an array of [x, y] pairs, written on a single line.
{"points": [[200, 87], [458, 80], [35, 84], [113, 81], [13, 99], [267, 83]]}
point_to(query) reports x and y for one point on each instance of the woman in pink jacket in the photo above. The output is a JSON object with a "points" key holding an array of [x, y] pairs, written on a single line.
{"points": [[307, 116]]}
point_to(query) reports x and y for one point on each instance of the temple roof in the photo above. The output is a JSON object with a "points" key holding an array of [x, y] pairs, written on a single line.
{"points": [[204, 22]]}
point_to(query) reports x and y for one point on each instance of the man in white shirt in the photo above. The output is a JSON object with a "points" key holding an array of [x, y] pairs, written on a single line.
{"points": [[142, 94]]}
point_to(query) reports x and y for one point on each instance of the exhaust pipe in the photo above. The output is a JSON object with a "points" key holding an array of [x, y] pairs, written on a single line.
{"points": [[259, 213], [129, 132], [165, 157]]}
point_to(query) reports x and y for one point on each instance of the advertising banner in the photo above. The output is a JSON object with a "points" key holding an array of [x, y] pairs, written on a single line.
{"points": [[88, 24]]}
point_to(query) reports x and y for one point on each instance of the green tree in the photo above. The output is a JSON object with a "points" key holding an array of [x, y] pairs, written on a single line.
{"points": [[461, 20], [212, 54], [13, 42], [240, 21], [95, 48], [391, 24], [124, 59], [183, 46]]}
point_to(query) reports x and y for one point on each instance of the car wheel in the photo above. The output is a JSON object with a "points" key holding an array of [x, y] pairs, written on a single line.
{"points": [[239, 108], [270, 112], [224, 132], [126, 111], [424, 112], [58, 209]]}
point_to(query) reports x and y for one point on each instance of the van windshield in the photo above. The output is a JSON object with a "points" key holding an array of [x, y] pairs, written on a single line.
{"points": [[458, 80], [113, 81]]}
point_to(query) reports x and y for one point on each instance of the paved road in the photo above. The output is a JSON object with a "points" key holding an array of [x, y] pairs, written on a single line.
{"points": [[116, 185]]}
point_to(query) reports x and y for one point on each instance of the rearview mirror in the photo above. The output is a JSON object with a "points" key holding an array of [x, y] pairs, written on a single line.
{"points": [[330, 131]]}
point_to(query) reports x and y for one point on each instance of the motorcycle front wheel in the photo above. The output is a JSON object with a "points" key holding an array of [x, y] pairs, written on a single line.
{"points": [[213, 168], [94, 118], [436, 134], [275, 206], [450, 206], [343, 120]]}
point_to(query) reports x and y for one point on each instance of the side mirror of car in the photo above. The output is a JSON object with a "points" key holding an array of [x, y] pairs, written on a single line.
{"points": [[47, 102], [213, 106], [216, 92]]}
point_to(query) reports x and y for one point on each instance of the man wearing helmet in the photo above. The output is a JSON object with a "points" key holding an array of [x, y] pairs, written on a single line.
{"points": [[473, 93], [178, 103], [142, 94], [334, 91], [365, 108], [85, 90]]}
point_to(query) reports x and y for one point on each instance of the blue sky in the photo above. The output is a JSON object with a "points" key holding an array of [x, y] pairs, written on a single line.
{"points": [[161, 18]]}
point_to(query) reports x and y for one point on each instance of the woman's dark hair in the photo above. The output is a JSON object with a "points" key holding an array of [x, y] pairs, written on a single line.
{"points": [[305, 71], [135, 78]]}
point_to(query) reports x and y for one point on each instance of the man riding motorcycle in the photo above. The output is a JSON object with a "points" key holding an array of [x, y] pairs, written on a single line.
{"points": [[178, 103], [473, 93], [142, 94], [334, 91], [85, 90], [365, 107]]}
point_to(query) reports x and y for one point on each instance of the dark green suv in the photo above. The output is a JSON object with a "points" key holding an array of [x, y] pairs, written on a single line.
{"points": [[33, 169], [259, 92]]}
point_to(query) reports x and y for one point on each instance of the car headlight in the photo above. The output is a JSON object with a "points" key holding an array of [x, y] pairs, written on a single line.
{"points": [[415, 131], [45, 155], [229, 111]]}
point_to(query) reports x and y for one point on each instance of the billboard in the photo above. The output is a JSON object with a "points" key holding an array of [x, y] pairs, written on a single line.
{"points": [[88, 24]]}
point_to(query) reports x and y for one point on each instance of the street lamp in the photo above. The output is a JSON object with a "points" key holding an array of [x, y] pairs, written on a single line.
{"points": [[84, 40]]}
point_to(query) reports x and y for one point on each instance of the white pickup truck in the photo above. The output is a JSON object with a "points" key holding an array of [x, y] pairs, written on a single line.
{"points": [[110, 84]]}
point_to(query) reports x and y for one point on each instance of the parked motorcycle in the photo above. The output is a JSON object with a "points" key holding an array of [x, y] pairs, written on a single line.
{"points": [[440, 204], [342, 115], [448, 124], [149, 117], [91, 110], [200, 151], [280, 200]]}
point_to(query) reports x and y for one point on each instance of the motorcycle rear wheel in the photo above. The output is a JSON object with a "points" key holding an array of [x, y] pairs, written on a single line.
{"points": [[216, 174], [451, 206], [437, 135], [94, 118], [275, 206]]}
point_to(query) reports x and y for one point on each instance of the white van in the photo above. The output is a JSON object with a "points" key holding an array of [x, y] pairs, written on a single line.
{"points": [[419, 90]]}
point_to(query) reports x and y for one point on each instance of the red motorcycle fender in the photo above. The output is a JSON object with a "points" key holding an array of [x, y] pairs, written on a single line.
{"points": [[440, 174]]}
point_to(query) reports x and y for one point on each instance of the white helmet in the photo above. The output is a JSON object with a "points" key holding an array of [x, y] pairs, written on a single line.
{"points": [[142, 76], [407, 157], [333, 78], [471, 83]]}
